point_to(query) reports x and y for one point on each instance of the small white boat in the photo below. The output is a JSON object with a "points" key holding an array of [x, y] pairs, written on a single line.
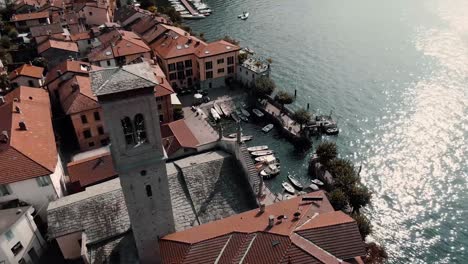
{"points": [[314, 187], [267, 128], [232, 135], [262, 153], [235, 117], [288, 196], [184, 12], [243, 118], [246, 138], [244, 16], [270, 171], [215, 114], [257, 112], [297, 184], [288, 187], [265, 158], [245, 112], [218, 109], [332, 131], [248, 50], [257, 148], [317, 182]]}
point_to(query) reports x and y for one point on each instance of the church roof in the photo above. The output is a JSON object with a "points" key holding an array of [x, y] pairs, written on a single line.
{"points": [[126, 78]]}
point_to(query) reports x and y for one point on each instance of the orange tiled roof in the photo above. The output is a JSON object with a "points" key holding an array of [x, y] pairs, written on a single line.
{"points": [[177, 135], [216, 48], [28, 153], [27, 70], [29, 16], [247, 237], [76, 96], [118, 43], [81, 36], [57, 44], [92, 170], [164, 87], [78, 67]]}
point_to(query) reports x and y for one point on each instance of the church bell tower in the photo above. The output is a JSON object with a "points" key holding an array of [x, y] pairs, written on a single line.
{"points": [[131, 116]]}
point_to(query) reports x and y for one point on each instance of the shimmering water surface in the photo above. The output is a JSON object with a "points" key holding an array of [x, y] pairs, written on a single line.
{"points": [[395, 75]]}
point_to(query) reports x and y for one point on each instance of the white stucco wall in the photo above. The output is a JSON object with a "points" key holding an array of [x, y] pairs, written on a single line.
{"points": [[24, 231]]}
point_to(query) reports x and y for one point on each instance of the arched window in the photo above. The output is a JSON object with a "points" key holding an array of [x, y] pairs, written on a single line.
{"points": [[128, 130], [140, 130]]}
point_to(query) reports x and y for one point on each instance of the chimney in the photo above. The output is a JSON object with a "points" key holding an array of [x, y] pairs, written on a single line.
{"points": [[22, 125], [280, 219], [271, 221], [262, 208], [17, 110], [4, 136], [2, 100], [296, 216]]}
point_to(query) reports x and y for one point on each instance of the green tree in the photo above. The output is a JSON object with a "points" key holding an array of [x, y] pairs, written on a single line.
{"points": [[39, 62], [153, 9], [145, 4], [13, 34], [202, 36], [359, 196], [264, 86], [326, 152], [375, 254], [231, 40], [283, 98], [4, 81], [302, 117], [364, 225], [242, 57], [338, 199], [5, 42]]}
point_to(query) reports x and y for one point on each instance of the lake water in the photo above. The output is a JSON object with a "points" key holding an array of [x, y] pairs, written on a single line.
{"points": [[395, 75]]}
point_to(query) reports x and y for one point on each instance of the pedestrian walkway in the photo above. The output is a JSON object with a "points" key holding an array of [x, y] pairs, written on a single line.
{"points": [[287, 121], [189, 7]]}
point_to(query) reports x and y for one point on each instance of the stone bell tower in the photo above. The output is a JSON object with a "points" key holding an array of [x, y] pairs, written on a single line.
{"points": [[131, 116]]}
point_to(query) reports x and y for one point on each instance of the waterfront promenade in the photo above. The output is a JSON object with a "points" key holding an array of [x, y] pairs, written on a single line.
{"points": [[287, 121]]}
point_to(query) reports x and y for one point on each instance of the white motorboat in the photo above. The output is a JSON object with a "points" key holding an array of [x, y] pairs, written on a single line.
{"points": [[262, 153], [267, 128], [314, 187], [245, 112], [205, 11], [297, 184], [332, 131], [257, 148], [215, 114], [244, 16], [317, 182], [246, 138], [184, 12], [265, 158], [218, 109], [243, 118], [288, 187], [270, 171], [194, 16], [257, 112], [232, 135]]}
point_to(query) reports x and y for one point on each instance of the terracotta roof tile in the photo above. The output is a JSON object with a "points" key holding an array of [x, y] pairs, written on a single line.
{"points": [[81, 36], [216, 48], [92, 170], [118, 43], [28, 153], [27, 70], [267, 248], [152, 34], [183, 134], [76, 96], [298, 256], [46, 30], [206, 251], [57, 44], [173, 252], [74, 66], [29, 16], [238, 243], [144, 24]]}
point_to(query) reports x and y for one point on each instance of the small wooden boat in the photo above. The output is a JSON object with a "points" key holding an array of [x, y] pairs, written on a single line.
{"points": [[246, 138], [218, 109], [257, 148], [317, 182], [297, 184], [262, 153], [244, 118], [314, 187], [269, 158], [267, 128], [235, 117], [332, 131], [287, 187], [270, 171], [215, 114], [257, 112], [245, 112]]}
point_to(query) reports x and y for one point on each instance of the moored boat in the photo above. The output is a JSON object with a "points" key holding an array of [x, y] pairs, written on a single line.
{"points": [[245, 112], [215, 114], [246, 138], [265, 158], [332, 131], [288, 196], [244, 15], [317, 182], [267, 128], [297, 184], [314, 187], [270, 171], [235, 117], [287, 187], [262, 153], [243, 118], [218, 109], [257, 148], [257, 112]]}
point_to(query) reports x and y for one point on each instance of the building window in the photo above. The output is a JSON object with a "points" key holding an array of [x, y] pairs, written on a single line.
{"points": [[90, 13], [220, 61], [108, 63], [4, 190], [172, 76], [97, 117], [230, 60], [9, 235], [208, 65], [91, 144], [17, 248], [188, 63], [127, 130], [89, 42], [140, 129], [180, 75], [172, 67], [84, 120], [189, 72], [100, 130], [159, 107], [87, 133], [104, 142], [143, 173], [209, 75], [180, 65], [22, 23], [149, 192], [30, 83], [43, 181], [230, 69], [161, 118], [221, 70]]}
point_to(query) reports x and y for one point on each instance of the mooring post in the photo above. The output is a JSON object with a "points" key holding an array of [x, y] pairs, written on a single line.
{"points": [[295, 93], [308, 106]]}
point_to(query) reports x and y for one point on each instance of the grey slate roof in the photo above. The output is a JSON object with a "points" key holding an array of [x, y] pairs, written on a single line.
{"points": [[45, 30], [126, 78]]}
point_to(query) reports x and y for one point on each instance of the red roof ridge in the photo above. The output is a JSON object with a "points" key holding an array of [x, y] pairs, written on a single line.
{"points": [[312, 249], [76, 162], [326, 220]]}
